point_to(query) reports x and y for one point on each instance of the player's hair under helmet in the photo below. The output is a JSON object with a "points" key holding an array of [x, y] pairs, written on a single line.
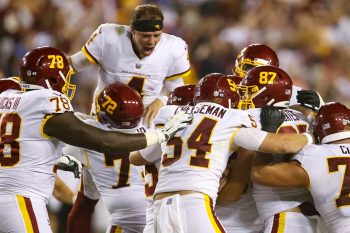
{"points": [[47, 68], [332, 123], [119, 106], [182, 95], [9, 83], [252, 56], [216, 88], [265, 85]]}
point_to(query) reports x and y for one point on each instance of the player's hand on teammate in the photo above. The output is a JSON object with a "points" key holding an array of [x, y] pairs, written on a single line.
{"points": [[151, 111], [271, 118], [224, 179], [310, 99], [71, 164], [179, 121]]}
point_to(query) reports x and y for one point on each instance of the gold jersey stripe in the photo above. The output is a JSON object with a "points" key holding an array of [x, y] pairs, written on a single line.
{"points": [[47, 117], [213, 220], [175, 76], [279, 223], [116, 229], [27, 214], [88, 55]]}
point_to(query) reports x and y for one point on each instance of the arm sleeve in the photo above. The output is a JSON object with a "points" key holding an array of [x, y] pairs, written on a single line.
{"points": [[80, 62], [152, 153], [181, 64], [93, 48], [164, 114], [171, 84], [249, 138]]}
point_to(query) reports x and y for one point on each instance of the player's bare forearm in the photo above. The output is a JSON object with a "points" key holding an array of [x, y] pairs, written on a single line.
{"points": [[238, 177], [69, 129], [62, 192], [280, 175]]}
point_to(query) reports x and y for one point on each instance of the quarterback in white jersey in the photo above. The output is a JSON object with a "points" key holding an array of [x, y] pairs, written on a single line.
{"points": [[140, 55], [320, 166], [200, 153]]}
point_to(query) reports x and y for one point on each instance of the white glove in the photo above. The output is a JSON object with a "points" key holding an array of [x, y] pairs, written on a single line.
{"points": [[179, 121], [70, 163]]}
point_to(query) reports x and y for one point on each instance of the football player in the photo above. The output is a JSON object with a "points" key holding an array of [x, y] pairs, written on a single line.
{"points": [[257, 54], [33, 125], [323, 169], [278, 208], [252, 56], [193, 161], [119, 108], [181, 98], [139, 55]]}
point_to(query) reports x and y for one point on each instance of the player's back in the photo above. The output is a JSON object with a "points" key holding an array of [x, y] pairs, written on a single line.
{"points": [[270, 200], [328, 170], [200, 152], [27, 154]]}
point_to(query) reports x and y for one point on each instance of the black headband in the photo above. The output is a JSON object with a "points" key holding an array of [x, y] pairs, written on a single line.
{"points": [[147, 25]]}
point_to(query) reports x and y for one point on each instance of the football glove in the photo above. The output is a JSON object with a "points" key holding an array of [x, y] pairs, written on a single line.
{"points": [[71, 164], [179, 121], [271, 118], [310, 99]]}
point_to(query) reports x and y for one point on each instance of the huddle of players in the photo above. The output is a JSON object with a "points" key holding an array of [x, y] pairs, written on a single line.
{"points": [[181, 177]]}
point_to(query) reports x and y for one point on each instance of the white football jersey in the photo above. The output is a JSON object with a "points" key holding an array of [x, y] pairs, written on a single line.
{"points": [[109, 171], [110, 46], [27, 155], [270, 201], [115, 178], [196, 157], [328, 168]]}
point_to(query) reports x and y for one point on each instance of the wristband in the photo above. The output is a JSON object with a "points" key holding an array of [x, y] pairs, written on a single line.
{"points": [[310, 139], [151, 138]]}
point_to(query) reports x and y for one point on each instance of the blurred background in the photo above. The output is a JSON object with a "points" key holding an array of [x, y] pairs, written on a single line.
{"points": [[311, 37]]}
